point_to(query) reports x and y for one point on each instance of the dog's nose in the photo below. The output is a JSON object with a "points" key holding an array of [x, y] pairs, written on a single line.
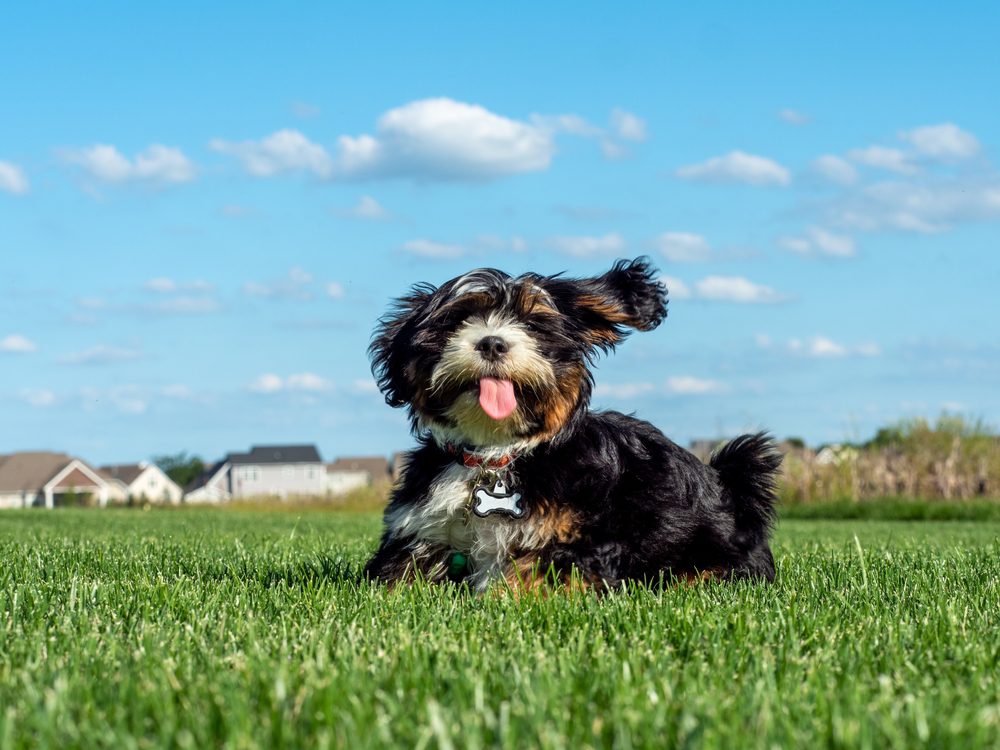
{"points": [[492, 348]]}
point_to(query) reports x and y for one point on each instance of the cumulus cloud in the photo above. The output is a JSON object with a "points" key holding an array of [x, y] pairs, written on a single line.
{"points": [[882, 157], [676, 288], [688, 385], [682, 385], [15, 343], [433, 250], [738, 167], [167, 285], [443, 139], [835, 169], [627, 126], [157, 164], [735, 289], [335, 290], [611, 244], [101, 355], [683, 247], [38, 397], [925, 206], [281, 152], [794, 117], [818, 241], [12, 179], [296, 286], [305, 382], [946, 141], [822, 347], [366, 209]]}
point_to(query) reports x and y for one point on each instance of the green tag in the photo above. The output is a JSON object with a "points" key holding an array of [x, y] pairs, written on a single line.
{"points": [[457, 564]]}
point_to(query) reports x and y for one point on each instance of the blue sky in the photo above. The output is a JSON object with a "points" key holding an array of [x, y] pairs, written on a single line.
{"points": [[204, 209]]}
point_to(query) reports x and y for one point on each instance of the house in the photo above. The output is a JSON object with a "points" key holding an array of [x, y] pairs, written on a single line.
{"points": [[346, 474], [45, 479], [211, 487], [282, 470], [143, 482]]}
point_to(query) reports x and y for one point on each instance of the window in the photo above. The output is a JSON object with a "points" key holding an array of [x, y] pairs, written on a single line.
{"points": [[288, 471]]}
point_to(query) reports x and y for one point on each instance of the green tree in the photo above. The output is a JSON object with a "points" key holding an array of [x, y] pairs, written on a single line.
{"points": [[180, 467]]}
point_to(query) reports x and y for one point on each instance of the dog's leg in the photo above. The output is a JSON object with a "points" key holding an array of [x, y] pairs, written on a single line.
{"points": [[403, 560]]}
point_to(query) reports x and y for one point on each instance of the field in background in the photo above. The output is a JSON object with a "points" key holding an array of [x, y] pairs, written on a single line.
{"points": [[203, 628]]}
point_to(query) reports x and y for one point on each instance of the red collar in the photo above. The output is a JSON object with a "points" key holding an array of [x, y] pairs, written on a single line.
{"points": [[474, 461]]}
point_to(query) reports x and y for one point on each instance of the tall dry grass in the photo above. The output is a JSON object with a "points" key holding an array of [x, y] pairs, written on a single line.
{"points": [[951, 459]]}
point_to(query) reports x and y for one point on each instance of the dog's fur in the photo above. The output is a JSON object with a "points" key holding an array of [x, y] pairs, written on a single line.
{"points": [[608, 497]]}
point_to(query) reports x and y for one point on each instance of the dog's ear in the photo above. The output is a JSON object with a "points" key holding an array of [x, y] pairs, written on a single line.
{"points": [[629, 296], [391, 349]]}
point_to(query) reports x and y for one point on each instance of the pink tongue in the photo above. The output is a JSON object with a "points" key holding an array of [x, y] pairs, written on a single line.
{"points": [[497, 397]]}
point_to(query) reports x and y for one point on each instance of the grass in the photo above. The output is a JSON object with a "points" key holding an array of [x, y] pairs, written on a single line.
{"points": [[894, 509], [247, 629]]}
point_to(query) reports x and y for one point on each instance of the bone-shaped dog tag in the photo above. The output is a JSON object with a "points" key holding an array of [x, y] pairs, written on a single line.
{"points": [[498, 499]]}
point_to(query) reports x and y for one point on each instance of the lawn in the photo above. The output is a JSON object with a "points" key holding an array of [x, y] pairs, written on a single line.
{"points": [[207, 629]]}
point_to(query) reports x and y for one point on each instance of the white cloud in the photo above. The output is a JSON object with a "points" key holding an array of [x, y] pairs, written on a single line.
{"points": [[443, 139], [570, 124], [178, 391], [364, 386], [628, 126], [186, 305], [882, 157], [12, 179], [367, 209], [15, 343], [284, 151], [294, 286], [434, 250], [683, 247], [623, 390], [157, 164], [735, 289], [38, 397], [335, 290], [835, 169], [820, 241], [945, 141], [167, 285], [307, 382], [305, 110], [822, 347], [687, 385], [101, 355], [676, 288], [927, 206], [586, 247], [737, 167], [794, 117]]}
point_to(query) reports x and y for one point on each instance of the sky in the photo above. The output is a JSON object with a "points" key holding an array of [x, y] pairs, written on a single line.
{"points": [[204, 209]]}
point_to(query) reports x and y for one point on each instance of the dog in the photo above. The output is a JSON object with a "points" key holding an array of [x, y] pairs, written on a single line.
{"points": [[516, 480]]}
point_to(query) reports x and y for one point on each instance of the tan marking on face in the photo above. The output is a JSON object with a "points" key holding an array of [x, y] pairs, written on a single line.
{"points": [[560, 407]]}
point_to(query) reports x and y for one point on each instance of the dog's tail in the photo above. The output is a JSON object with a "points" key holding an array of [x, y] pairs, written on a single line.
{"points": [[748, 469]]}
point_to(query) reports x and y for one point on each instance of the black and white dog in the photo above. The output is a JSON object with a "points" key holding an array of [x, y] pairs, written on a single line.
{"points": [[516, 480]]}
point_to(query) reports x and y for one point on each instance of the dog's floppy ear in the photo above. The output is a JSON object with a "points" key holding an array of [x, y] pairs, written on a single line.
{"points": [[627, 296], [391, 350]]}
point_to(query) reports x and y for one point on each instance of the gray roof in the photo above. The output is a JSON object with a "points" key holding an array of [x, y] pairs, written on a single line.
{"points": [[30, 471], [377, 466], [125, 473], [277, 454]]}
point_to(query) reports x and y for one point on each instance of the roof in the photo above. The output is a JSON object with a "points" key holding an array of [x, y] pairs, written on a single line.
{"points": [[125, 473], [377, 466], [277, 454], [31, 470], [207, 475]]}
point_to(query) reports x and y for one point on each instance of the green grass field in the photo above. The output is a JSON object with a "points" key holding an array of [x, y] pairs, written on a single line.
{"points": [[220, 629]]}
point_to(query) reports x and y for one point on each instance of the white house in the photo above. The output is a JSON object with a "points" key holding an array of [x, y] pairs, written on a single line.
{"points": [[211, 487], [143, 482], [44, 479], [346, 474]]}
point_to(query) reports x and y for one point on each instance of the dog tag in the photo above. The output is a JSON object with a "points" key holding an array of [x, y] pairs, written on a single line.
{"points": [[498, 499]]}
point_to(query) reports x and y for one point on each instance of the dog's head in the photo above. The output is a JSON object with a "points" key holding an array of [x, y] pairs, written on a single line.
{"points": [[492, 361]]}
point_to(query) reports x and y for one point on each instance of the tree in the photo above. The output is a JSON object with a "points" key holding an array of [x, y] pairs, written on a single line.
{"points": [[180, 467]]}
